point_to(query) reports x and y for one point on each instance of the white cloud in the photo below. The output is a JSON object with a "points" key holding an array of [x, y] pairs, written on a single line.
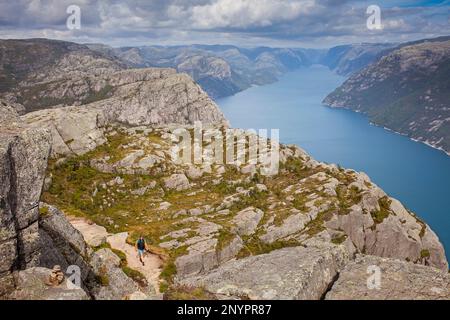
{"points": [[243, 22], [244, 13]]}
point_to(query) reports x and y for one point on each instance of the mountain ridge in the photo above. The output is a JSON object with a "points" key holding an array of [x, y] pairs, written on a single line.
{"points": [[406, 90]]}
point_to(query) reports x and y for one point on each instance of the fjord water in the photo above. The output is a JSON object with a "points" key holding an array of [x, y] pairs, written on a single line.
{"points": [[417, 175]]}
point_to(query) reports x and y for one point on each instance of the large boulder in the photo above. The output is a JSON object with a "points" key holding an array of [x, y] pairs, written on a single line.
{"points": [[177, 182], [75, 130], [301, 273], [397, 280], [62, 244], [114, 283], [247, 220]]}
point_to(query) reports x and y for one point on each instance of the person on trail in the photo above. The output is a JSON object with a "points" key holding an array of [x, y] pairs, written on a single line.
{"points": [[141, 247]]}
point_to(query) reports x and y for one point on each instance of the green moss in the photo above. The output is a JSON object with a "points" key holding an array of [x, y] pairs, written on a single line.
{"points": [[255, 198], [170, 270], [137, 276], [299, 203], [253, 246], [102, 277], [121, 255], [384, 212], [43, 211], [317, 225], [424, 253], [339, 239], [104, 245], [224, 238], [347, 197]]}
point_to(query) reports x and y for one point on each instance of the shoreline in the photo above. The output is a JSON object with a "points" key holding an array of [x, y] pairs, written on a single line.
{"points": [[427, 143]]}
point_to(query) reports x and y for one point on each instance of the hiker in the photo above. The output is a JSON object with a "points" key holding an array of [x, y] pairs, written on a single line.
{"points": [[141, 246]]}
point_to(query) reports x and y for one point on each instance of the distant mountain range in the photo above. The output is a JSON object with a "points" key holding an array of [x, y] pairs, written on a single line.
{"points": [[224, 70], [404, 87], [407, 90]]}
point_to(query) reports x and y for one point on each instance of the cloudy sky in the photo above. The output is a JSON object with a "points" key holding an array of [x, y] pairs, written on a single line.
{"points": [[305, 23]]}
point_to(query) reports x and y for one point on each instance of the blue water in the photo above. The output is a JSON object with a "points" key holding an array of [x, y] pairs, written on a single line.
{"points": [[417, 175]]}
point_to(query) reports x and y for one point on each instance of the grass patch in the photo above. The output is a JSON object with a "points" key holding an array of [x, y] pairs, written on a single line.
{"points": [[253, 246], [339, 239], [385, 210], [188, 293], [347, 197], [317, 225], [102, 277], [424, 253], [43, 211]]}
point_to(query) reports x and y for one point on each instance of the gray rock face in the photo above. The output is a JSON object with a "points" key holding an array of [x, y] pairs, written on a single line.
{"points": [[9, 115], [398, 280], [32, 285], [62, 244], [247, 221], [301, 273], [23, 161], [116, 284], [290, 225], [75, 130], [175, 98], [177, 182], [154, 97], [204, 254], [400, 235]]}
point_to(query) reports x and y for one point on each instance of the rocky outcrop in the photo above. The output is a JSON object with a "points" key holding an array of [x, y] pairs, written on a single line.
{"points": [[62, 244], [115, 284], [347, 59], [75, 130], [79, 76], [414, 240], [32, 284], [247, 221], [177, 182], [33, 236], [375, 278], [300, 273], [23, 161], [154, 97], [158, 97], [41, 73]]}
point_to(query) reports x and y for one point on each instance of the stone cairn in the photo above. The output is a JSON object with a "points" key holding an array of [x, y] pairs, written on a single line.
{"points": [[56, 277]]}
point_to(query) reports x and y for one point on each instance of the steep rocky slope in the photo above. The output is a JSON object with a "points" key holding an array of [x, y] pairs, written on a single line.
{"points": [[348, 59], [35, 238], [24, 153], [406, 90], [109, 162], [209, 220], [39, 73]]}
